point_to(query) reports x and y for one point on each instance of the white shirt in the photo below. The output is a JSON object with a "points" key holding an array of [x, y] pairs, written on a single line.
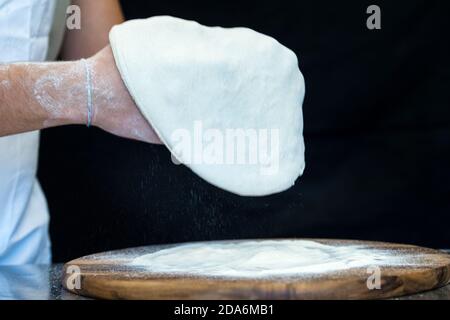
{"points": [[24, 33]]}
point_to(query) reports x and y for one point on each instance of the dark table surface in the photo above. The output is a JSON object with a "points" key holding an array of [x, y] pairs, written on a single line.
{"points": [[43, 282]]}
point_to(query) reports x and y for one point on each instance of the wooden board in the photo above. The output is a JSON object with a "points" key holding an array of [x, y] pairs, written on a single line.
{"points": [[108, 275]]}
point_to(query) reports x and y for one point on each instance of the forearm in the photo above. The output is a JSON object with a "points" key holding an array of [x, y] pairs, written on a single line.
{"points": [[34, 96], [97, 19]]}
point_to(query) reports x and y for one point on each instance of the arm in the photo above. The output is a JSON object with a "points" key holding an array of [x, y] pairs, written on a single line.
{"points": [[97, 19], [41, 95], [34, 96]]}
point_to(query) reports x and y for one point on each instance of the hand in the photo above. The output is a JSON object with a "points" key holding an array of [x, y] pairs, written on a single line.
{"points": [[113, 108]]}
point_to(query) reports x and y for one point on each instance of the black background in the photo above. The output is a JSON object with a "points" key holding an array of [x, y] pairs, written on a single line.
{"points": [[377, 134]]}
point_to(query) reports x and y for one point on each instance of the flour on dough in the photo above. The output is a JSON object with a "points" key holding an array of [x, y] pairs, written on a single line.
{"points": [[257, 259], [181, 73]]}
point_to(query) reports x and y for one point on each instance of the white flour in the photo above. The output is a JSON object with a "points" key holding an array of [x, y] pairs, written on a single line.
{"points": [[5, 83], [55, 90], [266, 258]]}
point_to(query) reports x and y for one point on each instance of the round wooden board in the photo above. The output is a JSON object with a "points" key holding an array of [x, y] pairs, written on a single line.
{"points": [[109, 275]]}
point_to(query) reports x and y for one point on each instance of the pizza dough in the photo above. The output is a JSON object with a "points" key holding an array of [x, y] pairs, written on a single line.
{"points": [[227, 102], [259, 259]]}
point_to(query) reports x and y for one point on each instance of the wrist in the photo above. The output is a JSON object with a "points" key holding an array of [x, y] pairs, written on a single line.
{"points": [[60, 90]]}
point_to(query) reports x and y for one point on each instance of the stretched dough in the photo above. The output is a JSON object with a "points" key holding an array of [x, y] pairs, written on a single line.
{"points": [[261, 259], [184, 76]]}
